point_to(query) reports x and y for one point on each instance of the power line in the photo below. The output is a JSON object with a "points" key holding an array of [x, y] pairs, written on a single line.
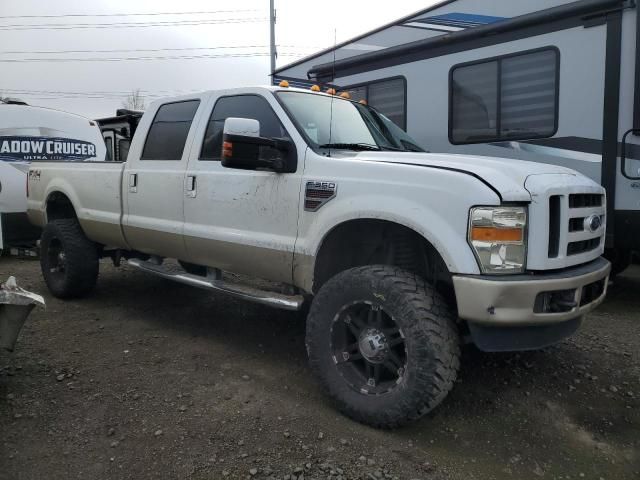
{"points": [[21, 91], [55, 52], [64, 15], [174, 23], [144, 58]]}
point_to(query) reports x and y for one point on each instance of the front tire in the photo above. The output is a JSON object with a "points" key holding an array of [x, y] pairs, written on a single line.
{"points": [[68, 259], [384, 345], [620, 259]]}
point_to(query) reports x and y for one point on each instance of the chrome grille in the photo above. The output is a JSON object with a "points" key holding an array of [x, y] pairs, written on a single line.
{"points": [[583, 207], [559, 236]]}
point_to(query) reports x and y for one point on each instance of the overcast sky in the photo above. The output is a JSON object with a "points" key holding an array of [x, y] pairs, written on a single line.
{"points": [[97, 88]]}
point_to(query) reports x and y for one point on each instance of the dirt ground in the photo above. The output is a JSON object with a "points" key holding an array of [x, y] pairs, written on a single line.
{"points": [[151, 379]]}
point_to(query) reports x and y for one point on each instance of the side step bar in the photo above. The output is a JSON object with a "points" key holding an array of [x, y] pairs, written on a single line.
{"points": [[264, 297]]}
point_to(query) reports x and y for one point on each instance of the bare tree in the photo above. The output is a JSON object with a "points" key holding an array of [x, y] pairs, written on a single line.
{"points": [[134, 101]]}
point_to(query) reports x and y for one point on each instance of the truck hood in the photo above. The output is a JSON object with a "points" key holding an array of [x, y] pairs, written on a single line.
{"points": [[505, 175]]}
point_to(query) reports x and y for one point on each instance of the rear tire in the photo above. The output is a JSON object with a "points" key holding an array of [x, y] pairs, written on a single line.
{"points": [[388, 325], [68, 259]]}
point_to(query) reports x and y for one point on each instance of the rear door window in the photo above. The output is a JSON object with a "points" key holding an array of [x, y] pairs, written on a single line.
{"points": [[168, 133]]}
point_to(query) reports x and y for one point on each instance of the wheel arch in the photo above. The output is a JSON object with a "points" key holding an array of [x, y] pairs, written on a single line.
{"points": [[364, 241], [59, 206]]}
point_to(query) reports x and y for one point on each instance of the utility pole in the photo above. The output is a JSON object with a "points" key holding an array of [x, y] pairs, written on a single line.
{"points": [[272, 27]]}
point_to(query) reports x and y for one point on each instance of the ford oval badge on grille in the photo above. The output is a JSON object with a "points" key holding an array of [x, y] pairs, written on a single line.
{"points": [[592, 223]]}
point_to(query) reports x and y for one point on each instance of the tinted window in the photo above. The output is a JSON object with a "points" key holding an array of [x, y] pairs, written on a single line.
{"points": [[168, 133], [240, 106], [108, 141], [506, 98], [386, 96], [528, 94], [358, 93], [123, 149]]}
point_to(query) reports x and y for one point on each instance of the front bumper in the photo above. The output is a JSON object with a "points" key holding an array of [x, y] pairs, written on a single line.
{"points": [[524, 300]]}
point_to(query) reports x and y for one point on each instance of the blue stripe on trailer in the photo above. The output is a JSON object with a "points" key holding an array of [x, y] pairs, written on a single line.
{"points": [[462, 20]]}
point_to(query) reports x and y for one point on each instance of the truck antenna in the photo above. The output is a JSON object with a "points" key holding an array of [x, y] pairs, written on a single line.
{"points": [[333, 77]]}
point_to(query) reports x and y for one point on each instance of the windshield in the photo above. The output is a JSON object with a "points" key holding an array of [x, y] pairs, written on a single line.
{"points": [[333, 122]]}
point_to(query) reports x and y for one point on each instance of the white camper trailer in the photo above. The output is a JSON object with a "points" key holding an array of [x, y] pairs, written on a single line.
{"points": [[29, 134], [548, 81]]}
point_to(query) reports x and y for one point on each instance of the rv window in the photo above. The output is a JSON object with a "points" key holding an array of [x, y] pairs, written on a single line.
{"points": [[386, 96], [241, 106], [358, 93], [506, 98], [168, 133]]}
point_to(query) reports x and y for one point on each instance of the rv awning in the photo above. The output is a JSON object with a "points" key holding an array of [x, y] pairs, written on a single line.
{"points": [[577, 12]]}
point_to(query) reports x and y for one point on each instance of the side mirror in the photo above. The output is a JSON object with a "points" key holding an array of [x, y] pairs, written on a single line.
{"points": [[244, 148]]}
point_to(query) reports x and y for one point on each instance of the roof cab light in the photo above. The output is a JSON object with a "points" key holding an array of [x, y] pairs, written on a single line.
{"points": [[497, 235], [283, 84]]}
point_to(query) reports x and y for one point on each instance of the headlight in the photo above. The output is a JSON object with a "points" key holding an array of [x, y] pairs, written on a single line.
{"points": [[497, 235]]}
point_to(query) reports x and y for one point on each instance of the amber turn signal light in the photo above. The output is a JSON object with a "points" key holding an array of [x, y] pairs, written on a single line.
{"points": [[492, 234], [227, 149]]}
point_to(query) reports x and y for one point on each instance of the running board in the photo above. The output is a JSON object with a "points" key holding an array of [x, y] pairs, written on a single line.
{"points": [[264, 297]]}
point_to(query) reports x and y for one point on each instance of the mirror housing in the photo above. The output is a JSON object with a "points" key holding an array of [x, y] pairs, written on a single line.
{"points": [[242, 146]]}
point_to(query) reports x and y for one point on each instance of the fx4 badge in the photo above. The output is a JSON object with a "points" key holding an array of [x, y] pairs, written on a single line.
{"points": [[317, 194]]}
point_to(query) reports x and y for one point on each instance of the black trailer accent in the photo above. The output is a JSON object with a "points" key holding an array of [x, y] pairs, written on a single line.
{"points": [[610, 118]]}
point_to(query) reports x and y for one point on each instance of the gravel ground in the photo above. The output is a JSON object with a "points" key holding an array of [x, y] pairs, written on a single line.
{"points": [[151, 379]]}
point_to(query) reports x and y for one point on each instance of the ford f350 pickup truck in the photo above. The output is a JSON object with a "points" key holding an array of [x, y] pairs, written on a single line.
{"points": [[400, 253]]}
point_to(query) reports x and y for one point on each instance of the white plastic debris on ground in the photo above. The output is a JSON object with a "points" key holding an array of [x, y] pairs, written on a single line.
{"points": [[15, 305]]}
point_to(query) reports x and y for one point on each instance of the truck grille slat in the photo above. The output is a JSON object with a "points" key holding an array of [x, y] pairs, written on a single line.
{"points": [[582, 200], [574, 248], [576, 224], [554, 226]]}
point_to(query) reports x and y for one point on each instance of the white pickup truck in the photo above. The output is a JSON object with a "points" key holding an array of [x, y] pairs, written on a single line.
{"points": [[402, 254]]}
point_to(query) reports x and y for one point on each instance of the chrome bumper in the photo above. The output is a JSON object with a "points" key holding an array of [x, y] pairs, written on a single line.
{"points": [[512, 301]]}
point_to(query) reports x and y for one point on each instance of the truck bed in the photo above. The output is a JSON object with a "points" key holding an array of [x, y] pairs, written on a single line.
{"points": [[93, 188]]}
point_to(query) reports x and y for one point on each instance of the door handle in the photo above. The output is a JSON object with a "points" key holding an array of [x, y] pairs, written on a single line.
{"points": [[133, 182], [191, 186]]}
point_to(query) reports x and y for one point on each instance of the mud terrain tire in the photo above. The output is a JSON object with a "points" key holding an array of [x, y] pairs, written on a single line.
{"points": [[431, 344], [68, 259]]}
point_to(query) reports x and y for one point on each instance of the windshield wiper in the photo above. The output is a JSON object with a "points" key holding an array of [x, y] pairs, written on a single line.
{"points": [[351, 146]]}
